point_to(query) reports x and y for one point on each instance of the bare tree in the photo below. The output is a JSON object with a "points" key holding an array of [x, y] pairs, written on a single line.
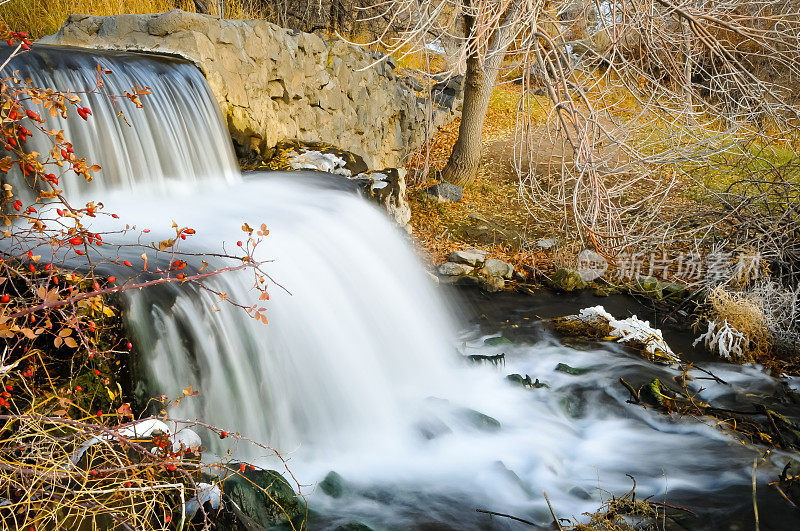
{"points": [[645, 98]]}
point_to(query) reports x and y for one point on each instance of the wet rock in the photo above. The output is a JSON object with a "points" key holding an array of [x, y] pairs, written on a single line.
{"points": [[452, 269], [526, 381], [471, 257], [353, 526], [492, 284], [496, 341], [478, 420], [262, 495], [579, 492], [567, 280], [574, 371], [444, 192], [572, 406], [432, 427], [518, 379], [499, 359], [387, 188], [493, 267], [332, 485], [512, 477]]}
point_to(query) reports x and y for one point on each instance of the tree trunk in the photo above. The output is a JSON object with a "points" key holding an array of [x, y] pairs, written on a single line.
{"points": [[201, 6], [462, 166]]}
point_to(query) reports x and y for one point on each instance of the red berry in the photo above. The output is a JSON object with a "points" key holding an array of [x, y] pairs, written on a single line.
{"points": [[77, 240], [127, 263], [5, 298], [112, 279], [242, 467], [239, 243], [171, 467], [129, 345], [223, 434], [78, 388]]}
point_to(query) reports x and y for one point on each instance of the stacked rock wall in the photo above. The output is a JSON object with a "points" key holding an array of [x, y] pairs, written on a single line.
{"points": [[274, 84]]}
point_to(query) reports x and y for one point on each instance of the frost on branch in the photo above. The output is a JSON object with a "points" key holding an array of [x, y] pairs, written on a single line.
{"points": [[724, 340]]}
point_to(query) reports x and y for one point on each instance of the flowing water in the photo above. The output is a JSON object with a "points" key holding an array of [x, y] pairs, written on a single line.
{"points": [[361, 369]]}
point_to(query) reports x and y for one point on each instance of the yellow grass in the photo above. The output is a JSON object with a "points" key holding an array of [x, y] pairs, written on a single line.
{"points": [[43, 17]]}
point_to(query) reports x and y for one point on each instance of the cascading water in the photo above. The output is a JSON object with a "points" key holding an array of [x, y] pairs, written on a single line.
{"points": [[358, 370], [176, 140]]}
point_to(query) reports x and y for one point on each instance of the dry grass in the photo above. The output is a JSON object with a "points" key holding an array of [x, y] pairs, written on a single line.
{"points": [[44, 17], [744, 314]]}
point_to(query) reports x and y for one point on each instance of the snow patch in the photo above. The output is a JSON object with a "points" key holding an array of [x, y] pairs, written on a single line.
{"points": [[316, 160], [184, 439], [630, 330], [633, 329], [206, 492]]}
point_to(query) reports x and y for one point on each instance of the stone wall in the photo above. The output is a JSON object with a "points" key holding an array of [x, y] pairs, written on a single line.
{"points": [[274, 84]]}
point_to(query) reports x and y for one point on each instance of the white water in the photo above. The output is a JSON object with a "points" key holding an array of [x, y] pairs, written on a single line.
{"points": [[359, 362], [174, 142]]}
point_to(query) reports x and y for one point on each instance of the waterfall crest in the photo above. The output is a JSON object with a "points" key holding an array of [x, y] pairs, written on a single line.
{"points": [[177, 139]]}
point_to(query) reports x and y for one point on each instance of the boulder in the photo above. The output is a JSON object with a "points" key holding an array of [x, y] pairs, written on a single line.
{"points": [[471, 257], [492, 284], [262, 495], [566, 280], [332, 485], [387, 188], [444, 192], [452, 269], [448, 92], [547, 243], [497, 268], [650, 286]]}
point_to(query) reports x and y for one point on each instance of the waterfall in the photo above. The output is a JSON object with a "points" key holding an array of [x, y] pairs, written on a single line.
{"points": [[173, 142], [358, 369], [336, 356]]}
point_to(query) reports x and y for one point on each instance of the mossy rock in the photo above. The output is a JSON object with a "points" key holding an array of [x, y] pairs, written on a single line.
{"points": [[496, 341], [526, 381], [649, 286], [263, 495], [332, 485], [567, 280], [574, 371], [354, 526]]}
